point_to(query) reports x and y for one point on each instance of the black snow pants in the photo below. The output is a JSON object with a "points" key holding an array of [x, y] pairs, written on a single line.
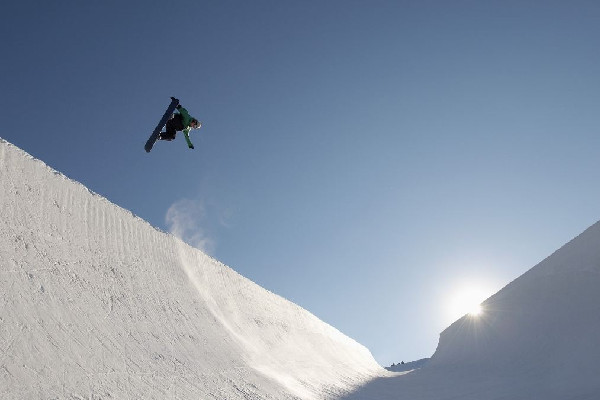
{"points": [[173, 125]]}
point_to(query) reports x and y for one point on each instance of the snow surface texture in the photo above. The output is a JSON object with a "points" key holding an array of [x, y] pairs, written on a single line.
{"points": [[538, 338], [96, 303]]}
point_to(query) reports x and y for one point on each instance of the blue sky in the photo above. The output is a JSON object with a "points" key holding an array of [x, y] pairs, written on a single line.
{"points": [[368, 160]]}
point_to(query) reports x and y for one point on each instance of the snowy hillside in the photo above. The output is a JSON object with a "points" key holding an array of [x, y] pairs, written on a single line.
{"points": [[96, 303], [538, 338]]}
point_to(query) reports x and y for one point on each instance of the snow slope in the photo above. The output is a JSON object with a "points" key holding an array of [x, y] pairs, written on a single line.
{"points": [[96, 303], [539, 338]]}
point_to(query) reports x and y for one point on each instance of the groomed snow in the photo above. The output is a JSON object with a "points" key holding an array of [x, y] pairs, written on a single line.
{"points": [[96, 303]]}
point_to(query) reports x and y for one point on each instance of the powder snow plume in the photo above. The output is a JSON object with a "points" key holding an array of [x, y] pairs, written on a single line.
{"points": [[184, 219]]}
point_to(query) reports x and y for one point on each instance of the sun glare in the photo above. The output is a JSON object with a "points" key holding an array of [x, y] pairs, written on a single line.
{"points": [[467, 300], [475, 310]]}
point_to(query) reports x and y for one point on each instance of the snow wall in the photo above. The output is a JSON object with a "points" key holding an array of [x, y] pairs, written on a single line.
{"points": [[96, 303], [540, 334], [538, 338]]}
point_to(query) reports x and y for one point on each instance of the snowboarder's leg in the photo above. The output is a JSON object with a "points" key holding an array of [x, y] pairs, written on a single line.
{"points": [[173, 125], [169, 133]]}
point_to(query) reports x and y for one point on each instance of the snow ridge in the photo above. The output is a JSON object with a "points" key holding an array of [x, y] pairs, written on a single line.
{"points": [[96, 303], [538, 338]]}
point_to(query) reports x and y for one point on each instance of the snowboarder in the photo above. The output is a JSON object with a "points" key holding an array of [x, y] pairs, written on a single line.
{"points": [[181, 121]]}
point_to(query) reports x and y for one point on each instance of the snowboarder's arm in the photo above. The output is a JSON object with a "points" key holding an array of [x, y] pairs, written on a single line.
{"points": [[186, 117], [186, 134]]}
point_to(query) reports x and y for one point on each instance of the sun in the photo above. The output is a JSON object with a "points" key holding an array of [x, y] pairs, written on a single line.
{"points": [[466, 300], [475, 310]]}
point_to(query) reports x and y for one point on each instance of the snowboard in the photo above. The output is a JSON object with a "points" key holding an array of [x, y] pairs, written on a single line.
{"points": [[161, 124]]}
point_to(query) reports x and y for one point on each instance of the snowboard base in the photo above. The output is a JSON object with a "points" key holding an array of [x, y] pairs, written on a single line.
{"points": [[163, 121]]}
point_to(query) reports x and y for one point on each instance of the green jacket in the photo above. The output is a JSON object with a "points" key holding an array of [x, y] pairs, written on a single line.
{"points": [[186, 118]]}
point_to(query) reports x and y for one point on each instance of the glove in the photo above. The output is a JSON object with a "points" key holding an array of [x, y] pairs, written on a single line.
{"points": [[173, 98], [191, 146], [178, 106]]}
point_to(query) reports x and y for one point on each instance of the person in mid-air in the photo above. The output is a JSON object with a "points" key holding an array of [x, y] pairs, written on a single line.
{"points": [[181, 121]]}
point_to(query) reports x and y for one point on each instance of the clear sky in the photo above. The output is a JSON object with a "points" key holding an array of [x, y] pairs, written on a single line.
{"points": [[372, 161]]}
